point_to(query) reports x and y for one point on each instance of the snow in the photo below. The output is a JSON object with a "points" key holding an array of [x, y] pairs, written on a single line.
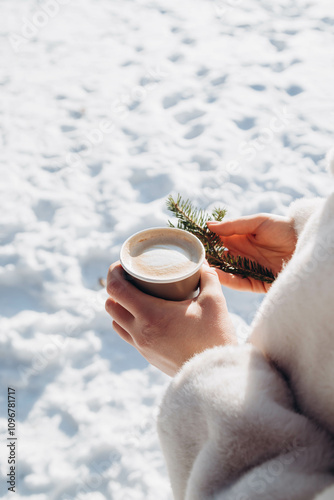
{"points": [[107, 107]]}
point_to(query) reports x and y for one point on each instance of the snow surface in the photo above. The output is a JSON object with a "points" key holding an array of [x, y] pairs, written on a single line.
{"points": [[107, 107]]}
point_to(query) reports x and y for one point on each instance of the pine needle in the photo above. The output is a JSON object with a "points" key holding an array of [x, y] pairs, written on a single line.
{"points": [[194, 221]]}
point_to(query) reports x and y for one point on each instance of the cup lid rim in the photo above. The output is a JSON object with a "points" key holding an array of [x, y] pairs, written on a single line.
{"points": [[167, 280]]}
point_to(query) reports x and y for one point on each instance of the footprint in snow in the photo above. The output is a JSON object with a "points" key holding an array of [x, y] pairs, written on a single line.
{"points": [[150, 186], [132, 135], [173, 99], [76, 114], [194, 132], [246, 123], [278, 44], [203, 71], [294, 90], [187, 116], [219, 81], [67, 128], [205, 162], [45, 210], [258, 87], [189, 41], [175, 57]]}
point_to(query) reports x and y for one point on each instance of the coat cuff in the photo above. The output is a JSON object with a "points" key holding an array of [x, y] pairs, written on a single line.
{"points": [[301, 210], [203, 415]]}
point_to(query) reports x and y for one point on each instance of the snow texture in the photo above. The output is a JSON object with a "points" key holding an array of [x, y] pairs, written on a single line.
{"points": [[107, 107]]}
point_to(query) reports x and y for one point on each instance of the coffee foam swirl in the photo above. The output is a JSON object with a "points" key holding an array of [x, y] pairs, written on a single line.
{"points": [[159, 257], [163, 260]]}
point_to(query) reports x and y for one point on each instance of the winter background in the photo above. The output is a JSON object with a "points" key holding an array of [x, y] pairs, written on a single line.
{"points": [[107, 107]]}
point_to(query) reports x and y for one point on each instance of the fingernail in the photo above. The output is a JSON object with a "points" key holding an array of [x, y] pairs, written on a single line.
{"points": [[212, 222]]}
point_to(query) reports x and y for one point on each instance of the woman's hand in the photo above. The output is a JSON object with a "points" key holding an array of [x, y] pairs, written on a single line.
{"points": [[267, 239], [168, 333]]}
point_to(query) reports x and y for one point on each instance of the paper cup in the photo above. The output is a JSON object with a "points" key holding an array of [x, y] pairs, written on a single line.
{"points": [[164, 262]]}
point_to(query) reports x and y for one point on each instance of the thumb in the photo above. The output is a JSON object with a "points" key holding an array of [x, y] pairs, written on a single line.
{"points": [[209, 280]]}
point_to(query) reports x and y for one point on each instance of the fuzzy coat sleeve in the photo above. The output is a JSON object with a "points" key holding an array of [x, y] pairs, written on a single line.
{"points": [[294, 327], [301, 210], [229, 431], [257, 421]]}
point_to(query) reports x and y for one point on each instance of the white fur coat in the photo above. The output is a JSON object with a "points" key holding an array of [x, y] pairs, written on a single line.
{"points": [[257, 421]]}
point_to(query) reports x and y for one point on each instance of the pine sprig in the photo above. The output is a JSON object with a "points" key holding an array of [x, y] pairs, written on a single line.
{"points": [[194, 221]]}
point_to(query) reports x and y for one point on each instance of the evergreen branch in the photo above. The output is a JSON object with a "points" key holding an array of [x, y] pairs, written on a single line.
{"points": [[194, 221]]}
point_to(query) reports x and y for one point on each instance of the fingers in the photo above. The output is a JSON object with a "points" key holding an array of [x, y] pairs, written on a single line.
{"points": [[209, 281], [122, 333], [242, 284], [126, 294], [122, 319], [244, 225], [232, 281], [119, 314], [212, 279]]}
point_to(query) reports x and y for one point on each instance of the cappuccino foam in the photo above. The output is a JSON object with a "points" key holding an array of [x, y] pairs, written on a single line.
{"points": [[162, 258]]}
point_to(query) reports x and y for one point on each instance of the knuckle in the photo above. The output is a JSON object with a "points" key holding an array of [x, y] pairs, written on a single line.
{"points": [[114, 286], [108, 304], [209, 301], [144, 340], [153, 328], [212, 303], [212, 271]]}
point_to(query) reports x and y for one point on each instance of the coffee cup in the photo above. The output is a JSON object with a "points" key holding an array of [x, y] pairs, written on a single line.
{"points": [[165, 262]]}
